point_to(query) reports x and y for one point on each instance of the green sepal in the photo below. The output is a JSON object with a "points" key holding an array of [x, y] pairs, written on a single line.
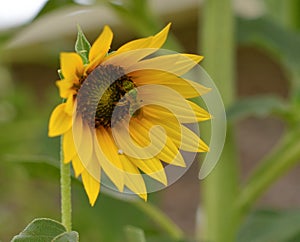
{"points": [[82, 46], [59, 72], [45, 230]]}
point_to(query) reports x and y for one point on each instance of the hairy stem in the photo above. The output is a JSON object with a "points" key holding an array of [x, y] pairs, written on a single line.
{"points": [[65, 185]]}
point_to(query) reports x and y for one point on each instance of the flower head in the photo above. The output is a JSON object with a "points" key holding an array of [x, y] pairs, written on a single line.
{"points": [[124, 112]]}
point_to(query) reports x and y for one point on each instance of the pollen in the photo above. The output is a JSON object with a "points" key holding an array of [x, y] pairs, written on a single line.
{"points": [[102, 93]]}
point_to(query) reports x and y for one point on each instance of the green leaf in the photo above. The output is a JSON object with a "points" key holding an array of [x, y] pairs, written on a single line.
{"points": [[72, 236], [36, 165], [259, 106], [134, 234], [51, 5], [269, 225], [82, 46], [285, 12], [142, 19], [281, 42], [40, 230], [271, 36]]}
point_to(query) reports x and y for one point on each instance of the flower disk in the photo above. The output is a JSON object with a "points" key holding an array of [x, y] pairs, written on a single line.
{"points": [[100, 92], [124, 117]]}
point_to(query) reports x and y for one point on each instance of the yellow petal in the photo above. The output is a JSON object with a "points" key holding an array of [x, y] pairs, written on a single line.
{"points": [[130, 146], [160, 38], [70, 105], [77, 166], [71, 66], [152, 167], [60, 122], [126, 59], [169, 101], [186, 88], [167, 152], [133, 179], [154, 141], [183, 137], [108, 157], [155, 41], [100, 48], [200, 113], [91, 186], [65, 87], [191, 142], [178, 64], [68, 146], [193, 115], [83, 140], [77, 125], [136, 44], [132, 52]]}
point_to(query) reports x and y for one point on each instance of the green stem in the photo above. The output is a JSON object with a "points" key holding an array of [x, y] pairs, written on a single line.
{"points": [[161, 219], [284, 156], [292, 14], [287, 153], [285, 12], [220, 188], [65, 185]]}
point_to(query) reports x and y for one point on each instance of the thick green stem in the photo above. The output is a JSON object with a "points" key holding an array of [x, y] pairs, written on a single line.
{"points": [[285, 12], [160, 219], [219, 189], [65, 186], [284, 157]]}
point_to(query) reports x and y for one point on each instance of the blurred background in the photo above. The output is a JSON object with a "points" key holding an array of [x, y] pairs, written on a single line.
{"points": [[33, 33]]}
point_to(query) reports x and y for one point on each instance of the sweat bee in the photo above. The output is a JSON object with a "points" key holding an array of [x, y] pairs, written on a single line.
{"points": [[130, 99]]}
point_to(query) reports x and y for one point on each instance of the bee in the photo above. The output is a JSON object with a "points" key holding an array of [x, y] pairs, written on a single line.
{"points": [[134, 103], [130, 99]]}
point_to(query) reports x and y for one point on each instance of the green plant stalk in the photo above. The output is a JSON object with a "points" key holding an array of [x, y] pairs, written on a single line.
{"points": [[294, 9], [282, 159], [292, 21], [285, 12], [160, 219], [65, 186], [219, 189]]}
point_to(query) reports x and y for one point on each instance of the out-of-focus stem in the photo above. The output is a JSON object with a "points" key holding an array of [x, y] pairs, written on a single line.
{"points": [[219, 189], [160, 219], [283, 157]]}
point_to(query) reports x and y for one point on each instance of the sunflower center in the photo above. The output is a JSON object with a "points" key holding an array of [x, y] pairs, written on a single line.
{"points": [[102, 93]]}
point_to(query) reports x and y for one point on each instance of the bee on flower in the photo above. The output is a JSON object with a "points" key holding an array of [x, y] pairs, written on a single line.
{"points": [[112, 101]]}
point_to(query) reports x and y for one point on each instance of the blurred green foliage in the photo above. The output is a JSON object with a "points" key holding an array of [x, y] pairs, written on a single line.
{"points": [[29, 174]]}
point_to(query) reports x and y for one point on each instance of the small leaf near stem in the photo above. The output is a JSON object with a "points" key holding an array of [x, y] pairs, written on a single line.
{"points": [[82, 46]]}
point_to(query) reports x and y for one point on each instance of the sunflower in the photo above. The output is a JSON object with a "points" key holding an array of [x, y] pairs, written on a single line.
{"points": [[124, 112]]}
